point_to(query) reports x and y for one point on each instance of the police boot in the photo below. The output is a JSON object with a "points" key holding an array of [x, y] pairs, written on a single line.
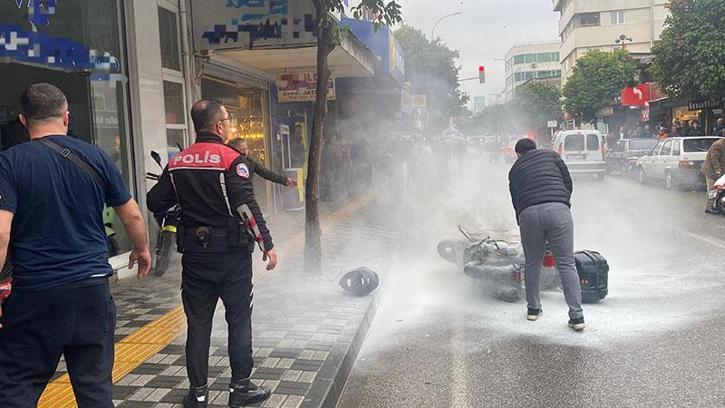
{"points": [[246, 392], [197, 397]]}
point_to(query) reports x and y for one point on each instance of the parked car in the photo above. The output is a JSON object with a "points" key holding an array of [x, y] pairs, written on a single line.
{"points": [[622, 158], [677, 161], [583, 151]]}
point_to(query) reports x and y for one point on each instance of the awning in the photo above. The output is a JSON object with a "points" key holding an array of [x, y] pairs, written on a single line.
{"points": [[349, 59]]}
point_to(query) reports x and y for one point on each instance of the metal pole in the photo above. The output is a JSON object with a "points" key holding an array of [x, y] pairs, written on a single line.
{"points": [[432, 32]]}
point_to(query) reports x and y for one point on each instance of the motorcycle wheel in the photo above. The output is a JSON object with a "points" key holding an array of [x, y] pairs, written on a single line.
{"points": [[113, 248], [163, 252]]}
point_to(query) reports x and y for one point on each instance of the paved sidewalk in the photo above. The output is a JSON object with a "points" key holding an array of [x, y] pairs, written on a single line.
{"points": [[307, 331]]}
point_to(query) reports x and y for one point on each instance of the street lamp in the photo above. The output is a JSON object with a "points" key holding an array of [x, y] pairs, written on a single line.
{"points": [[433, 31]]}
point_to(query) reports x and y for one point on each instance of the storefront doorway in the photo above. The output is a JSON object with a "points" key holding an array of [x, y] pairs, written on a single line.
{"points": [[247, 107]]}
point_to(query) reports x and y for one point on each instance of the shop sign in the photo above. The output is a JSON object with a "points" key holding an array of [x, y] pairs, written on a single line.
{"points": [[248, 24], [420, 102], [636, 96], [552, 124], [38, 47], [705, 104], [302, 87]]}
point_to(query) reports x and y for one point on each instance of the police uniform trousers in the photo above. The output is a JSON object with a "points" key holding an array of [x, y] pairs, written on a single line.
{"points": [[76, 320], [207, 277]]}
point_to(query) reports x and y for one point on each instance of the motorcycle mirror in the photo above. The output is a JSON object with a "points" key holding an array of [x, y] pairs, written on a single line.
{"points": [[157, 157]]}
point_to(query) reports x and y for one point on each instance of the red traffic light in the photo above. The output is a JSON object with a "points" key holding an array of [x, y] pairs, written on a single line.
{"points": [[482, 74], [481, 69]]}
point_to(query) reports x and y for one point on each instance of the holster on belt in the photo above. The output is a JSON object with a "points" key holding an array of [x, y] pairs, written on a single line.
{"points": [[213, 239]]}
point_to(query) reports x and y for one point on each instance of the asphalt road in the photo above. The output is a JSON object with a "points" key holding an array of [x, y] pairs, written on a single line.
{"points": [[658, 340]]}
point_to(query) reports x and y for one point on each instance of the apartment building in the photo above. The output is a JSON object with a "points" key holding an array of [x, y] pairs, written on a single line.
{"points": [[531, 61], [586, 25]]}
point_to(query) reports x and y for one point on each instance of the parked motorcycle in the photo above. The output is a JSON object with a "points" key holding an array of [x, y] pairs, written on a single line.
{"points": [[111, 242], [717, 192], [168, 222]]}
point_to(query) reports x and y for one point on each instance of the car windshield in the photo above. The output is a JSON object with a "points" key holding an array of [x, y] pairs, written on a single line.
{"points": [[642, 144], [698, 145]]}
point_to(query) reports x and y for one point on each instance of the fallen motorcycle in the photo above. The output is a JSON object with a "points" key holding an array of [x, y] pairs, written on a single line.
{"points": [[498, 267]]}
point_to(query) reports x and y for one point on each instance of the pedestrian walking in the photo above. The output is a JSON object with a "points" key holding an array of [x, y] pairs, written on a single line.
{"points": [[541, 190], [714, 168], [242, 147], [221, 221], [53, 191]]}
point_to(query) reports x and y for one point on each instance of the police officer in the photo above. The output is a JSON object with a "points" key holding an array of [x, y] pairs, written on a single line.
{"points": [[220, 223]]}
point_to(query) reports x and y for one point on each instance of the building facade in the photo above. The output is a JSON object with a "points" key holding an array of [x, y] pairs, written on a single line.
{"points": [[527, 61], [586, 25], [132, 69]]}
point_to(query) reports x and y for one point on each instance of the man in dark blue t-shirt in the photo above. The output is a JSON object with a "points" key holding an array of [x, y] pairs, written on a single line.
{"points": [[51, 228]]}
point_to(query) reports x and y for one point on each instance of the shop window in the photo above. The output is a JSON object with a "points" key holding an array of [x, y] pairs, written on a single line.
{"points": [[86, 61], [589, 19], [247, 108], [617, 17], [174, 103], [169, 37]]}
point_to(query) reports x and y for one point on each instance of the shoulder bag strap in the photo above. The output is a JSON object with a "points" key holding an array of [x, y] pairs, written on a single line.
{"points": [[90, 171]]}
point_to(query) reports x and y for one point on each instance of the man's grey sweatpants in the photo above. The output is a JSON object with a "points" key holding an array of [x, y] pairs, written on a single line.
{"points": [[552, 223]]}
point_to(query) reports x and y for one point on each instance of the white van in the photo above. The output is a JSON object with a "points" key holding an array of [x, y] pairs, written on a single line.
{"points": [[583, 151]]}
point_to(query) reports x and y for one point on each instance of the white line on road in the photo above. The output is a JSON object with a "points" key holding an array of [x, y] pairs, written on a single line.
{"points": [[712, 241]]}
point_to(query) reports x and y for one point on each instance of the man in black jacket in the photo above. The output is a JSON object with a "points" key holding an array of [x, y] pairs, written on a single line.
{"points": [[541, 190], [242, 147], [220, 222]]}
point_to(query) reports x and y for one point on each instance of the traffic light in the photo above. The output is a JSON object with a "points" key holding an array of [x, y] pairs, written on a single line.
{"points": [[482, 74]]}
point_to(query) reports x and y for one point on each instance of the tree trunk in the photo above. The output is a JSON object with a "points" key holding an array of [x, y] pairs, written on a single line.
{"points": [[313, 232]]}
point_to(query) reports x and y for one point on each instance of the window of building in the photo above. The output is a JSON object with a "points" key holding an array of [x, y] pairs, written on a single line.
{"points": [[173, 78], [169, 36], [589, 19], [617, 17], [519, 59]]}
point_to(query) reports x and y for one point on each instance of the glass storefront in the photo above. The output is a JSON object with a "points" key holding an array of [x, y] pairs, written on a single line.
{"points": [[76, 46], [249, 121]]}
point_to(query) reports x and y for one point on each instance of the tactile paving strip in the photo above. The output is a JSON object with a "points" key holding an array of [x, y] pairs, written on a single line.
{"points": [[131, 352]]}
